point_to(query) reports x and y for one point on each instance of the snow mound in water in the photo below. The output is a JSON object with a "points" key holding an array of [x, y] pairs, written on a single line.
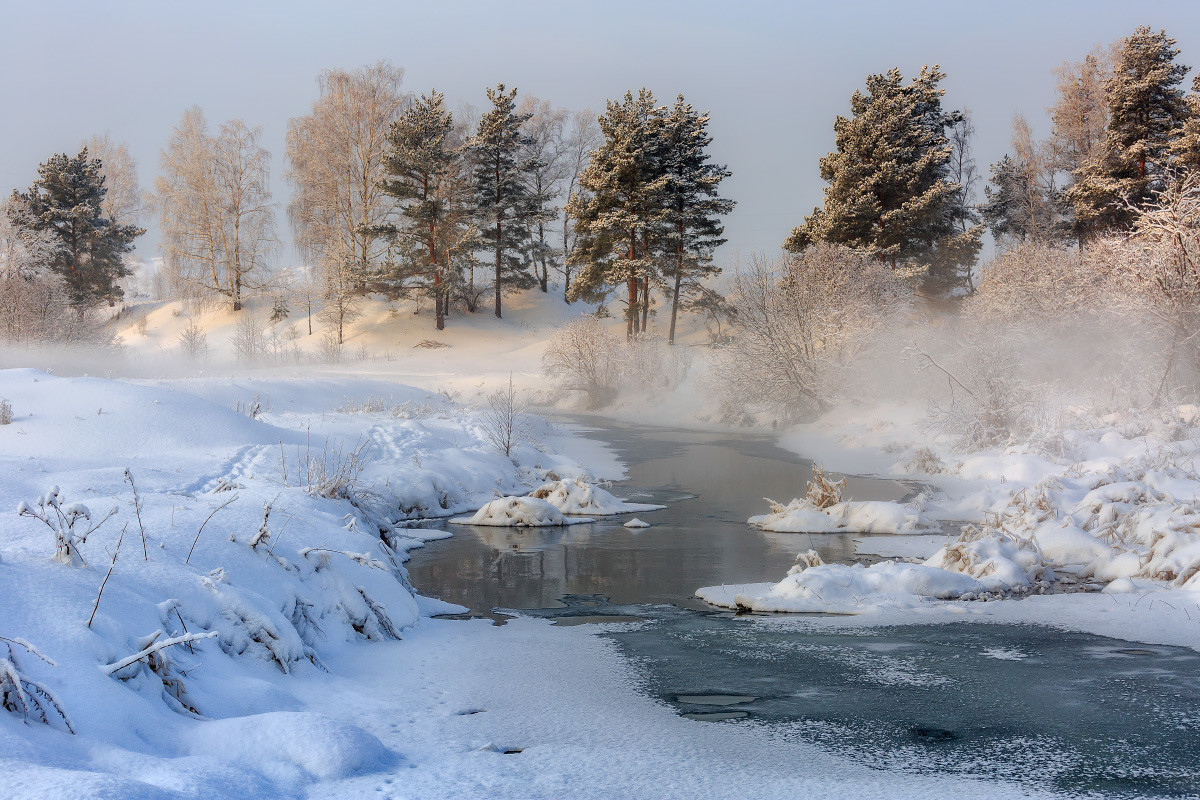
{"points": [[636, 523], [518, 512], [976, 565], [580, 497], [320, 745], [802, 516]]}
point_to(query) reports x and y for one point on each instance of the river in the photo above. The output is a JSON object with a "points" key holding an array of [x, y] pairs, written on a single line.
{"points": [[1070, 711]]}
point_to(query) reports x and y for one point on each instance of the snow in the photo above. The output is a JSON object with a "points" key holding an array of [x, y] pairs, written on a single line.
{"points": [[636, 523], [874, 516], [518, 512], [580, 497]]}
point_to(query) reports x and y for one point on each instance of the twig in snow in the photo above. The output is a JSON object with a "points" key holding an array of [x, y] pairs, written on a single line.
{"points": [[154, 647], [206, 519], [108, 574], [137, 509]]}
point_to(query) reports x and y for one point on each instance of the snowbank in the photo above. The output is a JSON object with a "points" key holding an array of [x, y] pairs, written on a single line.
{"points": [[244, 551], [875, 516], [518, 512], [580, 497]]}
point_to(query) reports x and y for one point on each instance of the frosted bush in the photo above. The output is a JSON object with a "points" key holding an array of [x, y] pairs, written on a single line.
{"points": [[584, 356]]}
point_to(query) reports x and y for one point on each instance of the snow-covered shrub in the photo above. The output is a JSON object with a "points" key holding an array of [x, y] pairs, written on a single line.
{"points": [[801, 322], [584, 356], [505, 422], [193, 343], [332, 472], [986, 398], [21, 694], [249, 338], [330, 349], [823, 492], [64, 520], [650, 366], [926, 462]]}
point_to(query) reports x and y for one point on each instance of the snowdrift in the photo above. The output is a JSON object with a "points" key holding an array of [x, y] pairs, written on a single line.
{"points": [[168, 565]]}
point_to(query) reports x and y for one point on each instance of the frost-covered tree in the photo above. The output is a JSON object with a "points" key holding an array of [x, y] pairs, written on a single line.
{"points": [[618, 211], [582, 138], [421, 164], [123, 201], [1185, 148], [499, 152], [1024, 203], [801, 322], [213, 195], [952, 262], [1145, 112], [547, 154], [85, 249], [890, 192], [692, 205], [1079, 114], [339, 209]]}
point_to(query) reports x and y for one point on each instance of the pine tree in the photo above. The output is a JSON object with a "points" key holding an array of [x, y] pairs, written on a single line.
{"points": [[619, 209], [501, 192], [889, 193], [420, 162], [692, 222], [1146, 110], [1185, 149], [1020, 209], [87, 250]]}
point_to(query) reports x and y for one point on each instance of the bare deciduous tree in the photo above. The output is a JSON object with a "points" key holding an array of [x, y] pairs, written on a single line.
{"points": [[123, 201], [801, 321], [214, 202], [582, 138], [335, 164], [1080, 113]]}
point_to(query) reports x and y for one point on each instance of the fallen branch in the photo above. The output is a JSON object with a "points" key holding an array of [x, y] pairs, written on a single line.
{"points": [[154, 647]]}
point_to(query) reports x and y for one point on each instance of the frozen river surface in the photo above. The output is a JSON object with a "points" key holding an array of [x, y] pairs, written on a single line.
{"points": [[1069, 711]]}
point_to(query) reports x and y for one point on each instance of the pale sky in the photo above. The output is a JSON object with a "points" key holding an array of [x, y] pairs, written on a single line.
{"points": [[773, 75]]}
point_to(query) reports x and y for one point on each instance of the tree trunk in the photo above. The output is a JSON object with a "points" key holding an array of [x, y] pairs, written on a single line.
{"points": [[631, 312], [675, 294], [498, 251], [645, 302]]}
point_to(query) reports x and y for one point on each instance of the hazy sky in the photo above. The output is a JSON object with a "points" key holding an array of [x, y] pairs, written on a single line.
{"points": [[774, 75]]}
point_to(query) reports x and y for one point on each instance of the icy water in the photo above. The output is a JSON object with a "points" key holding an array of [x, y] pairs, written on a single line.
{"points": [[1075, 712]]}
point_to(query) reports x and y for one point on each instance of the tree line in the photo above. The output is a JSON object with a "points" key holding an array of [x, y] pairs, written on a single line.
{"points": [[901, 182]]}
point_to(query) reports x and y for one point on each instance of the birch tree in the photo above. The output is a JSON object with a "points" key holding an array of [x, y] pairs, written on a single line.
{"points": [[339, 209], [215, 210], [582, 138]]}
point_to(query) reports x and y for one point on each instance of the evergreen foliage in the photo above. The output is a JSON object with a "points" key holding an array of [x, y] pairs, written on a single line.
{"points": [[890, 194], [693, 207], [1185, 149], [1020, 208], [1146, 111], [501, 190], [620, 210], [420, 164], [85, 250]]}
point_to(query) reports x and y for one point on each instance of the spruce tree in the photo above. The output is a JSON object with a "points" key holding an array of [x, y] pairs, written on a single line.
{"points": [[693, 208], [419, 163], [890, 193], [1146, 111], [87, 250], [619, 211], [501, 193]]}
